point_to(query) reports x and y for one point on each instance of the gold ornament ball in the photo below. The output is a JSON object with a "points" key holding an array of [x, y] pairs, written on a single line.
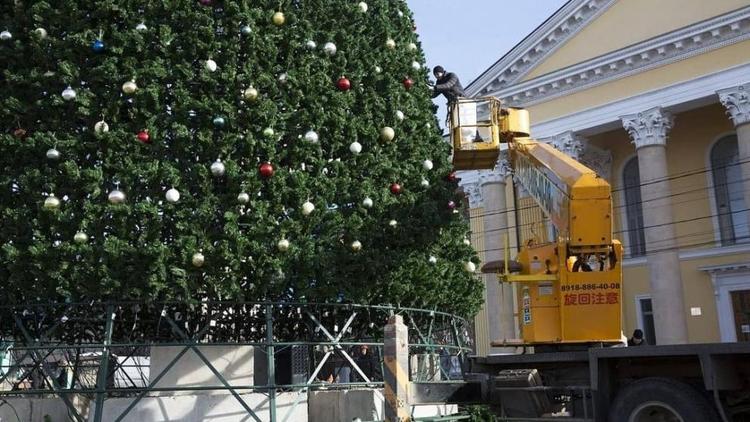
{"points": [[129, 87], [470, 267], [356, 246], [81, 238], [51, 203], [307, 208], [251, 94], [101, 127], [278, 19], [390, 43], [283, 245], [198, 259], [387, 134]]}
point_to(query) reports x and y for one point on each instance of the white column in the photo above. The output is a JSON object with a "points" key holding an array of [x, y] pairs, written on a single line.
{"points": [[737, 102], [500, 297], [648, 130]]}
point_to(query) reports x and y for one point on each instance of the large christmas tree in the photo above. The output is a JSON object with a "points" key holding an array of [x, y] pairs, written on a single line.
{"points": [[236, 149]]}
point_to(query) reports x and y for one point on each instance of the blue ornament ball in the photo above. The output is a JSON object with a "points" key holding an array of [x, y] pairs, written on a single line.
{"points": [[219, 122], [97, 46]]}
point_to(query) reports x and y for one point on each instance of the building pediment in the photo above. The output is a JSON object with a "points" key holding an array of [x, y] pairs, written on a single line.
{"points": [[507, 82]]}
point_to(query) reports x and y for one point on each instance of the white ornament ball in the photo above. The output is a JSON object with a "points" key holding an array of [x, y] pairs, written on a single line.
{"points": [[378, 69], [250, 94], [415, 65], [470, 267], [387, 134], [467, 242], [330, 48], [51, 203], [69, 94], [172, 195], [393, 223], [246, 30], [356, 246], [80, 238], [116, 197], [101, 127], [283, 245], [53, 154], [217, 168], [432, 260], [41, 33], [311, 45], [141, 27], [427, 164], [400, 14], [390, 43], [198, 259], [129, 87], [307, 208], [400, 115], [5, 35], [283, 78], [243, 198], [362, 7], [412, 46], [311, 136], [355, 147], [367, 202], [211, 65], [425, 183]]}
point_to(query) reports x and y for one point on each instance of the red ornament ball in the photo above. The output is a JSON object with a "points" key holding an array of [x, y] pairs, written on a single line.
{"points": [[266, 170], [144, 137], [452, 177], [20, 133], [408, 83], [206, 2], [343, 84], [451, 205], [395, 188]]}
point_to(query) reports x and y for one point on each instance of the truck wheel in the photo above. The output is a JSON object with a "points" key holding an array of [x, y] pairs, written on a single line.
{"points": [[661, 400]]}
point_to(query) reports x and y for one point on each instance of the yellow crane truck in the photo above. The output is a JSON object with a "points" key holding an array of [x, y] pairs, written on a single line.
{"points": [[574, 366]]}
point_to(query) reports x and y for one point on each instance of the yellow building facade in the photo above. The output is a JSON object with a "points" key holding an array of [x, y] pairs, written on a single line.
{"points": [[654, 96]]}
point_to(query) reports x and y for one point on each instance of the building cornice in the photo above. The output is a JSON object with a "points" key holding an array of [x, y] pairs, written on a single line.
{"points": [[702, 88], [693, 40], [539, 45], [690, 254]]}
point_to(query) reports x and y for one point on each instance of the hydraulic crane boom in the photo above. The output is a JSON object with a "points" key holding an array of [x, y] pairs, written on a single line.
{"points": [[569, 290]]}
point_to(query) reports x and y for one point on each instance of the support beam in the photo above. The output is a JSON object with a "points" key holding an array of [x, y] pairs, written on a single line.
{"points": [[396, 374]]}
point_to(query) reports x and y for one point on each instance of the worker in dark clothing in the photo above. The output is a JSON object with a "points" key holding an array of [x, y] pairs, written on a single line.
{"points": [[447, 84], [637, 339]]}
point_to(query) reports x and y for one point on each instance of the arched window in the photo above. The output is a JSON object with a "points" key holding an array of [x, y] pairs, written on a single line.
{"points": [[631, 177], [731, 210]]}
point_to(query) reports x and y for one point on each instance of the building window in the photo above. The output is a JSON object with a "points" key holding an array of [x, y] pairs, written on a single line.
{"points": [[731, 211], [631, 177], [646, 318]]}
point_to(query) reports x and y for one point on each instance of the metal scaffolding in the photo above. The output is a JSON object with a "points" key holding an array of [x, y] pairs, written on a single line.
{"points": [[95, 351]]}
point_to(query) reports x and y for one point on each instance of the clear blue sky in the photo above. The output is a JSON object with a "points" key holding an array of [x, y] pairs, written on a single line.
{"points": [[468, 36]]}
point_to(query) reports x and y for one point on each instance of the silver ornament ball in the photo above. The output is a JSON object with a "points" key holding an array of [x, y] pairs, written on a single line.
{"points": [[5, 35], [172, 195], [367, 202], [311, 136], [51, 203], [355, 147], [198, 259], [330, 48], [116, 197], [69, 94], [243, 198], [217, 168], [307, 208], [101, 127], [53, 154]]}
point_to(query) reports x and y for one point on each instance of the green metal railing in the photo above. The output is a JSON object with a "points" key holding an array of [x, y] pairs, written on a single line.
{"points": [[94, 351]]}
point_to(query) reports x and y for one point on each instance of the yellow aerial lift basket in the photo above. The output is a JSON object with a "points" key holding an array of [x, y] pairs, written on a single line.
{"points": [[478, 126]]}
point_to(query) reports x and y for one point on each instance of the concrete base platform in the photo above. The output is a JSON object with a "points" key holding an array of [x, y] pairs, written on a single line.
{"points": [[204, 408], [367, 404]]}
